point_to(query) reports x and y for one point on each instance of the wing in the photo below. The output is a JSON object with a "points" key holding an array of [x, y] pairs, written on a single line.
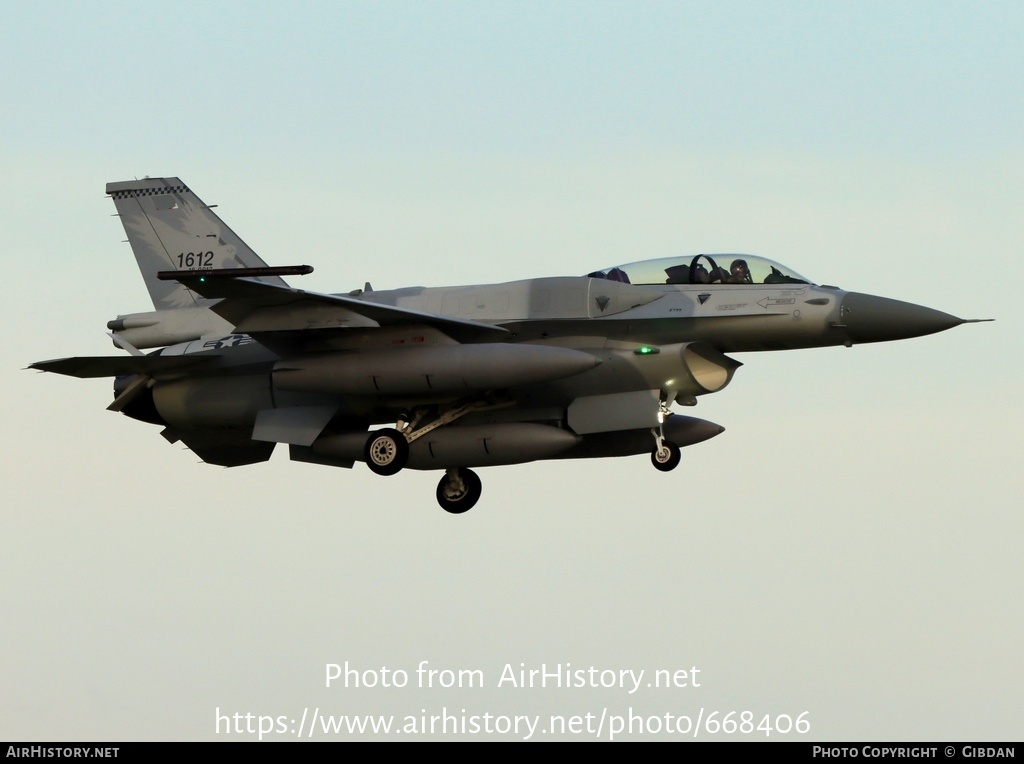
{"points": [[258, 308]]}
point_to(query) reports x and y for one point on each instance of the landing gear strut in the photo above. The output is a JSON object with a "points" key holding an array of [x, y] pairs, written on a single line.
{"points": [[459, 490], [665, 456], [387, 450]]}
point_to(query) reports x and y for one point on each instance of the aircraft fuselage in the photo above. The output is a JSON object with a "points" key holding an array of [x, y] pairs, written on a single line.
{"points": [[479, 375]]}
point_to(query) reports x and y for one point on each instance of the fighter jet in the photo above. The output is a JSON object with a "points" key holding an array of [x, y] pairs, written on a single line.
{"points": [[466, 376]]}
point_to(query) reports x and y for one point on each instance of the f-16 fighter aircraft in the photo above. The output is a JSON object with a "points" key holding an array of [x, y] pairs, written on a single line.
{"points": [[461, 377]]}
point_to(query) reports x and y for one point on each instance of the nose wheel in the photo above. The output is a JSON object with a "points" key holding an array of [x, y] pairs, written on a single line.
{"points": [[665, 456], [459, 490]]}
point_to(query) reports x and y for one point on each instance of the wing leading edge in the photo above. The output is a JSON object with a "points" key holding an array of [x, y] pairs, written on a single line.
{"points": [[257, 307]]}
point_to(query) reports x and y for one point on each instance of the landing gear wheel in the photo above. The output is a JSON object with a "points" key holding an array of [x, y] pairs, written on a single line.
{"points": [[459, 490], [666, 457], [386, 452]]}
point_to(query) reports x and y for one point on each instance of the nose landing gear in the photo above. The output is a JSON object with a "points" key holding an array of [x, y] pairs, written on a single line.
{"points": [[665, 456]]}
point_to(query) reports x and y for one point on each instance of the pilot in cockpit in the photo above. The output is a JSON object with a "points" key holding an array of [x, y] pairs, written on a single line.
{"points": [[739, 273]]}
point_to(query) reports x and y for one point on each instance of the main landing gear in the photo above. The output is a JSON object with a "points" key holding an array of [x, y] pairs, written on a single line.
{"points": [[386, 451], [459, 490]]}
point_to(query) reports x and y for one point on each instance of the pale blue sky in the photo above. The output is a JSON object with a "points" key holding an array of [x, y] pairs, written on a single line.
{"points": [[848, 547]]}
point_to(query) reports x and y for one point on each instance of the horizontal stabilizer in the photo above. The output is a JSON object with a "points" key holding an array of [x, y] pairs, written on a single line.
{"points": [[87, 367]]}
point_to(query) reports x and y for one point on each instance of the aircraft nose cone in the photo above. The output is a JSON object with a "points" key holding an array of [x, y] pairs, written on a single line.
{"points": [[878, 319]]}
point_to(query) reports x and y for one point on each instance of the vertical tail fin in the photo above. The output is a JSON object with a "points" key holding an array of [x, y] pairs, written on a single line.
{"points": [[169, 229]]}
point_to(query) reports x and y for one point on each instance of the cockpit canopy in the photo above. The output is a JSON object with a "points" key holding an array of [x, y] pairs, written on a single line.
{"points": [[702, 269]]}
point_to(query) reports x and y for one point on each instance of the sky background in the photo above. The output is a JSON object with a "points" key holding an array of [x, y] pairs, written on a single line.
{"points": [[849, 547]]}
